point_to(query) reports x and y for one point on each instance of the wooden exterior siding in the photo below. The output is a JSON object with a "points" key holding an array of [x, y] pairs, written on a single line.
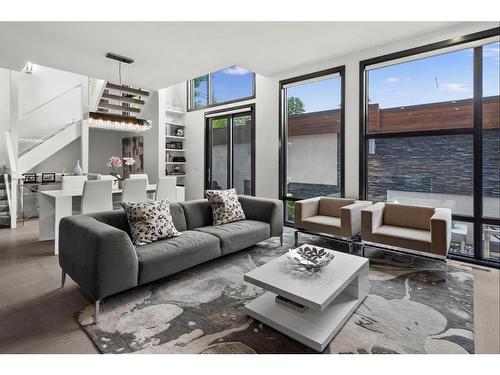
{"points": [[435, 116]]}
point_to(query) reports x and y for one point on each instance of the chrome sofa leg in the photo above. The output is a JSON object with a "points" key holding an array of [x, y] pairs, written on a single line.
{"points": [[96, 317], [296, 236], [63, 278]]}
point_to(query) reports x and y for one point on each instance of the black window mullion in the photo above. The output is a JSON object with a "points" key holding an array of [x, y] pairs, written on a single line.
{"points": [[478, 150]]}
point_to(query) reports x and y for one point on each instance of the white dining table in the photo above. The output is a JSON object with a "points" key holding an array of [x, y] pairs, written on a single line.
{"points": [[56, 204]]}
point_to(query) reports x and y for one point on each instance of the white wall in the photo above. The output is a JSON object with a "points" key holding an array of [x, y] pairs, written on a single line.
{"points": [[46, 85], [63, 161], [4, 114]]}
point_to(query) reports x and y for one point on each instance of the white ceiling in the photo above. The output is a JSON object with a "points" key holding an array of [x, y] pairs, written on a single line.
{"points": [[166, 53]]}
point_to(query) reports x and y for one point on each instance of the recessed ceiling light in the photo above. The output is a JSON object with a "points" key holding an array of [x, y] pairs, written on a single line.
{"points": [[28, 69]]}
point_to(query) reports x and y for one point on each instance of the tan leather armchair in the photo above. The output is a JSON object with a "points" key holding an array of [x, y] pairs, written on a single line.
{"points": [[329, 216], [421, 228]]}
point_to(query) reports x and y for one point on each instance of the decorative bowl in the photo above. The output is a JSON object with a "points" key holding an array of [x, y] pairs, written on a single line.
{"points": [[310, 257]]}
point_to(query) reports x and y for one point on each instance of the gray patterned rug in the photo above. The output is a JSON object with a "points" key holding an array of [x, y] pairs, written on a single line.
{"points": [[200, 310]]}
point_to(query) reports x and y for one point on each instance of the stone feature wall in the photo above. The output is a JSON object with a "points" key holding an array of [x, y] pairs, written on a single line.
{"points": [[433, 164]]}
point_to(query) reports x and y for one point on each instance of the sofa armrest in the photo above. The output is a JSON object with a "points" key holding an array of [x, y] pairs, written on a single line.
{"points": [[264, 209], [98, 257], [372, 217], [350, 218], [304, 209], [441, 231]]}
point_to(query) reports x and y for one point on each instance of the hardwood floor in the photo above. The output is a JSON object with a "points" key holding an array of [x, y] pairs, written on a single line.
{"points": [[37, 316]]}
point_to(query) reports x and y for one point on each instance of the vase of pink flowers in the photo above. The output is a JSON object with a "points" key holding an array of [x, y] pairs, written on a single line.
{"points": [[117, 162]]}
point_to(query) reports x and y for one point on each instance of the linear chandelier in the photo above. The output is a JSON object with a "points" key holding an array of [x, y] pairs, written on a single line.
{"points": [[114, 122]]}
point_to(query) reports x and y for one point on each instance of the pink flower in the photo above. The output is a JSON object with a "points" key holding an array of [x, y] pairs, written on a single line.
{"points": [[114, 161], [129, 161]]}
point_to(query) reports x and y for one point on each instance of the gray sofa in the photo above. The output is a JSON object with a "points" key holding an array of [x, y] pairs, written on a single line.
{"points": [[97, 253]]}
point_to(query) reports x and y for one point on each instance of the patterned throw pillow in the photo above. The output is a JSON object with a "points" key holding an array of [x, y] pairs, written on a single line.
{"points": [[225, 206], [149, 221]]}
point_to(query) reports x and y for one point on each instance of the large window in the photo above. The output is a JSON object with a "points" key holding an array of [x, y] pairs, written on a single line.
{"points": [[430, 135], [312, 137], [221, 87]]}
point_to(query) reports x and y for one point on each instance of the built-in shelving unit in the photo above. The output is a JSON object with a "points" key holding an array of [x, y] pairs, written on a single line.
{"points": [[175, 131]]}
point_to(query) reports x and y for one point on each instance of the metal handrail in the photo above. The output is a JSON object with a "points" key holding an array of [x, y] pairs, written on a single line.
{"points": [[47, 137], [51, 100]]}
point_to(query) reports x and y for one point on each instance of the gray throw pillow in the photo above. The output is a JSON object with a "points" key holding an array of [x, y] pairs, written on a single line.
{"points": [[225, 206], [149, 221]]}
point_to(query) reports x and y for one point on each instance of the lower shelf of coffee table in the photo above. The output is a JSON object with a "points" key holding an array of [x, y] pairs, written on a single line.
{"points": [[312, 328]]}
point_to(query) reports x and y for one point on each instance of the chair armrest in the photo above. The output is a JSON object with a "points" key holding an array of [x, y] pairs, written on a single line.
{"points": [[372, 217], [304, 209], [350, 218], [441, 231], [264, 209], [97, 256]]}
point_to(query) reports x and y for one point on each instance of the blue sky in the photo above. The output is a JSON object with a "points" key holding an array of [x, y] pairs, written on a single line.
{"points": [[439, 78]]}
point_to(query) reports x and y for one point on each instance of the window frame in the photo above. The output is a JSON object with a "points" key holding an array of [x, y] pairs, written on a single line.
{"points": [[283, 133], [190, 93], [476, 130], [230, 154]]}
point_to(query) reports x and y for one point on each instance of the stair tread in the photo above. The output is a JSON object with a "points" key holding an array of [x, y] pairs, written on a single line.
{"points": [[123, 99], [127, 89], [119, 107]]}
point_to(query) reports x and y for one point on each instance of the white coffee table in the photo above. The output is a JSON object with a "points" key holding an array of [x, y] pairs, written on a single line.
{"points": [[327, 297]]}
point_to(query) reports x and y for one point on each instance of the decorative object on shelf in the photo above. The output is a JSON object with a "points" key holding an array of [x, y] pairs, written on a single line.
{"points": [[174, 145], [118, 123], [117, 162], [133, 148], [177, 169], [48, 177], [78, 169], [310, 257], [178, 159], [29, 178], [179, 133]]}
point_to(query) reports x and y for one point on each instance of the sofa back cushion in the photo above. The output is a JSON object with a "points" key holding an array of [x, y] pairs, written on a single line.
{"points": [[178, 217], [198, 213], [116, 218], [331, 206], [409, 216]]}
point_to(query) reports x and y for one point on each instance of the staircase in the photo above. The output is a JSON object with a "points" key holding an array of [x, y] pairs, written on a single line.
{"points": [[4, 204], [122, 100]]}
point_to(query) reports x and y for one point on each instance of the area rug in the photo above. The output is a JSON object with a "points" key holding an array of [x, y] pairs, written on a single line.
{"points": [[409, 310]]}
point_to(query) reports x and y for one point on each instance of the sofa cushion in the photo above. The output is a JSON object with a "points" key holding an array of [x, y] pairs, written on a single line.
{"points": [[225, 206], [197, 212], [149, 221], [329, 206], [238, 235], [166, 257], [413, 239], [322, 224], [409, 216]]}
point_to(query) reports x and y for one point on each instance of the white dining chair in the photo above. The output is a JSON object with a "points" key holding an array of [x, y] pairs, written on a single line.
{"points": [[109, 178], [73, 182], [97, 196], [167, 189], [135, 190], [140, 175]]}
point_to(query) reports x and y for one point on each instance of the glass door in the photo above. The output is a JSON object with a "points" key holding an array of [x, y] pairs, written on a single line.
{"points": [[230, 151]]}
